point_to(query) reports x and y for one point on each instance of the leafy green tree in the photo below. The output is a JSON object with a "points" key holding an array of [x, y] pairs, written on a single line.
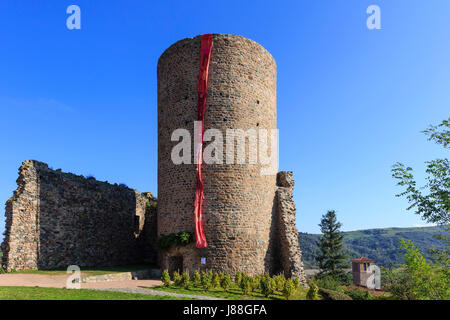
{"points": [[398, 283], [433, 205], [442, 256], [417, 279], [165, 278], [331, 259]]}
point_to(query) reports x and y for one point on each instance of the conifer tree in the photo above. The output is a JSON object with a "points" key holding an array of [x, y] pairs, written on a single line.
{"points": [[331, 259]]}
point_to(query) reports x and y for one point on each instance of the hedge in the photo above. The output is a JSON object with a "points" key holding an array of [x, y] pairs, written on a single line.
{"points": [[328, 294]]}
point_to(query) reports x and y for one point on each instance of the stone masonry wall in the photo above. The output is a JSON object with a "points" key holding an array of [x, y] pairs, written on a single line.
{"points": [[57, 219], [291, 256], [239, 202]]}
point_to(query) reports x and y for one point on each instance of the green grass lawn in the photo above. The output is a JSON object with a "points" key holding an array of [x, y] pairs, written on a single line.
{"points": [[89, 271], [36, 293], [234, 293]]}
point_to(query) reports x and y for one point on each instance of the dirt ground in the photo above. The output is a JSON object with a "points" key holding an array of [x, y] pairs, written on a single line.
{"points": [[59, 281]]}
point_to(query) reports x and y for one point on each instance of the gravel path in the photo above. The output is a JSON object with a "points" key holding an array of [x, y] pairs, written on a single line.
{"points": [[158, 293], [59, 281]]}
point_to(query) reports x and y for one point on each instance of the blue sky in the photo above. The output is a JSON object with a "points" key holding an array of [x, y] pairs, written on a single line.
{"points": [[351, 101]]}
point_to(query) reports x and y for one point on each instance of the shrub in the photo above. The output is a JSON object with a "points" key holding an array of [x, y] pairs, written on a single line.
{"points": [[256, 284], [176, 278], [296, 283], [165, 278], [288, 289], [185, 280], [246, 285], [328, 294], [267, 285], [225, 283], [280, 280], [196, 279], [238, 278], [215, 282], [205, 280], [313, 291], [346, 279], [359, 294], [329, 283]]}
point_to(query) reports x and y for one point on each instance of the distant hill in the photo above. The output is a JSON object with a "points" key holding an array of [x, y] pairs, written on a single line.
{"points": [[382, 245]]}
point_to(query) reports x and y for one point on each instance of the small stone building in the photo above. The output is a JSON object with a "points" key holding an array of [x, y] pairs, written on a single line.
{"points": [[364, 273]]}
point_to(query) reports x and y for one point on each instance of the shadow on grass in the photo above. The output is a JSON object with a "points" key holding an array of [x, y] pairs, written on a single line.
{"points": [[36, 293], [233, 293]]}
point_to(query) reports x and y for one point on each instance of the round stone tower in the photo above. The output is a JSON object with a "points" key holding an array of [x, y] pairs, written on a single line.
{"points": [[238, 208]]}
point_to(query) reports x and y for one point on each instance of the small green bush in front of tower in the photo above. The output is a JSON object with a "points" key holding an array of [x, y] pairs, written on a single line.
{"points": [[296, 283], [257, 283], [246, 284], [267, 285], [165, 278], [215, 282], [225, 283], [238, 278], [206, 280], [176, 278], [196, 279], [280, 280], [313, 291], [185, 280], [288, 289]]}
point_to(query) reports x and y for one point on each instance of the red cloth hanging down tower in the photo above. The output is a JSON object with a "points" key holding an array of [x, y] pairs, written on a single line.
{"points": [[205, 58]]}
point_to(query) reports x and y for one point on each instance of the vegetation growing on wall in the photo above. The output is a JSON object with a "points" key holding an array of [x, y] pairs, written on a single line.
{"points": [[179, 239]]}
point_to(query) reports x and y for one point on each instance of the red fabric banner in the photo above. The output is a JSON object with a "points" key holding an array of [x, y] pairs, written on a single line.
{"points": [[205, 58]]}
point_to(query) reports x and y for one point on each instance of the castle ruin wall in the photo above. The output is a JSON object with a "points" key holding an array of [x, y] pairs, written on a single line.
{"points": [[57, 219], [291, 255]]}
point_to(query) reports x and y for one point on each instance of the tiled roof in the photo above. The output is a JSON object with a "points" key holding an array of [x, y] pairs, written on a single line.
{"points": [[362, 259]]}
